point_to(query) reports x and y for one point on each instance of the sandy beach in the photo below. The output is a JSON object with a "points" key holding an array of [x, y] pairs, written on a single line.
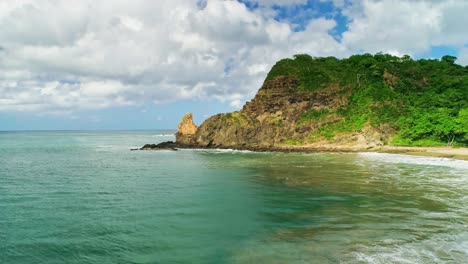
{"points": [[445, 152]]}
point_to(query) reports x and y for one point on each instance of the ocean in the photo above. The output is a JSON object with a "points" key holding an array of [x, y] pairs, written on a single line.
{"points": [[84, 197]]}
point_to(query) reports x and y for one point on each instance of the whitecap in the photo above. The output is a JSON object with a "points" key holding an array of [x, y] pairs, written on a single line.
{"points": [[163, 135]]}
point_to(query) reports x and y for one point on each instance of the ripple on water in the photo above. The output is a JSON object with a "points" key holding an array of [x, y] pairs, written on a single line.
{"points": [[85, 198]]}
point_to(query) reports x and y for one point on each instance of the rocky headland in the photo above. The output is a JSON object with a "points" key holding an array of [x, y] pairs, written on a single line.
{"points": [[364, 109], [272, 120]]}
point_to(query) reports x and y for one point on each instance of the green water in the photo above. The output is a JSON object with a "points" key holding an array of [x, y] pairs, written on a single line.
{"points": [[83, 197]]}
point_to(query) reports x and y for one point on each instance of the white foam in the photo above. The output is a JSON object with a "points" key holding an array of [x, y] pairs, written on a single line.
{"points": [[440, 248], [418, 160], [163, 135], [218, 150]]}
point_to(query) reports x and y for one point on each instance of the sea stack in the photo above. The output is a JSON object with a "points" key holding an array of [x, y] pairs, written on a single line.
{"points": [[186, 130]]}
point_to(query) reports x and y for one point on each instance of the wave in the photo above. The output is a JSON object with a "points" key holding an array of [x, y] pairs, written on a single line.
{"points": [[409, 159], [163, 135], [440, 248], [218, 150]]}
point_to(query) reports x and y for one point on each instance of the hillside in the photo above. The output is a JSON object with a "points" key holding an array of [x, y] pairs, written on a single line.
{"points": [[365, 101]]}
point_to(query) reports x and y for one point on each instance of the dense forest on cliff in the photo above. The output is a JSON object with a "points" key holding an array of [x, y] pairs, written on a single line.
{"points": [[423, 101]]}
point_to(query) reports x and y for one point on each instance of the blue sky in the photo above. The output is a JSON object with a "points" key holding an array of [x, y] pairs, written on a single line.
{"points": [[144, 64]]}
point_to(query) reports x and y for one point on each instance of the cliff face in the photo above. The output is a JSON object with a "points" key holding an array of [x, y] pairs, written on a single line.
{"points": [[272, 118], [362, 102]]}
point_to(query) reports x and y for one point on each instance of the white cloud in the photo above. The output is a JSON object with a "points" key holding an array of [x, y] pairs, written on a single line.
{"points": [[84, 55], [278, 2], [236, 103], [405, 27], [463, 57], [131, 23], [389, 25], [59, 56]]}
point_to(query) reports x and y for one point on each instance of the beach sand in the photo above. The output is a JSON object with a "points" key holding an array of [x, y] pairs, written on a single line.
{"points": [[445, 152]]}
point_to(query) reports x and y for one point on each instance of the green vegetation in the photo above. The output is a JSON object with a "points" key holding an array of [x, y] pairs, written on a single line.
{"points": [[425, 101], [313, 114], [239, 119]]}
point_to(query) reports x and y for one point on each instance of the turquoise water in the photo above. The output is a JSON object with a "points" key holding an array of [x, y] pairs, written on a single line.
{"points": [[83, 197]]}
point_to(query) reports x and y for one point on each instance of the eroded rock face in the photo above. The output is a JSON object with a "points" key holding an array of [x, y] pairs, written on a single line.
{"points": [[187, 126], [186, 130], [272, 119]]}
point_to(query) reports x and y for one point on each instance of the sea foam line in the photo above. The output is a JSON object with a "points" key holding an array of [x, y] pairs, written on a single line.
{"points": [[219, 150], [418, 160]]}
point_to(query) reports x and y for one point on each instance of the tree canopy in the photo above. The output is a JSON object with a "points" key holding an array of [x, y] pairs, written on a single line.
{"points": [[425, 101]]}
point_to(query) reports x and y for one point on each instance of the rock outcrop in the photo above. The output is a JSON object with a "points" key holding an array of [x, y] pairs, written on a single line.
{"points": [[272, 119], [186, 130], [169, 145], [360, 103]]}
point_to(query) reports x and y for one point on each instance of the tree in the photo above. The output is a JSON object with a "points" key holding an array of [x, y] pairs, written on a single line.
{"points": [[449, 59], [406, 58]]}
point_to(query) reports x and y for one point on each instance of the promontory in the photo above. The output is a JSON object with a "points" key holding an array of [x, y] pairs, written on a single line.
{"points": [[364, 102]]}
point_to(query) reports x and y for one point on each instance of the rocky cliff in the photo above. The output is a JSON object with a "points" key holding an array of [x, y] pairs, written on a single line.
{"points": [[362, 102], [273, 119]]}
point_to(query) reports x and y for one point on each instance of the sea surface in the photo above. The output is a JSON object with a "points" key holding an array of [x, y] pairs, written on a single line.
{"points": [[84, 197]]}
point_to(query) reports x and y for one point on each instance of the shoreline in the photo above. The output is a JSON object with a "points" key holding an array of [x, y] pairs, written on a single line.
{"points": [[439, 152]]}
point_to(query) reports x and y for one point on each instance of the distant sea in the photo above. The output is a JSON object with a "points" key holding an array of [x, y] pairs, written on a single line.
{"points": [[84, 197]]}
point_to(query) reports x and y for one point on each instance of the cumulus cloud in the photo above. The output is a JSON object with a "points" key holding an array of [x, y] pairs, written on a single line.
{"points": [[65, 56], [59, 56], [463, 56], [405, 27], [386, 25]]}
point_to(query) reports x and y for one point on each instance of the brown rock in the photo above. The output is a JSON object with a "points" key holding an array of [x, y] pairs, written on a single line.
{"points": [[272, 120], [271, 117], [186, 130], [187, 126]]}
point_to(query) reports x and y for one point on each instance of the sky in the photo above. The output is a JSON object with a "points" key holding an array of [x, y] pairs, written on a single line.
{"points": [[143, 64]]}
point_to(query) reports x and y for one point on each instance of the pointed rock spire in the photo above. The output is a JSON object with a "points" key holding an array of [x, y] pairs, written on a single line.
{"points": [[186, 130]]}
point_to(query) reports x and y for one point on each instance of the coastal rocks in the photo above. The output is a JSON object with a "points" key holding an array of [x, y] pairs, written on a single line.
{"points": [[184, 137], [186, 130], [169, 145]]}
